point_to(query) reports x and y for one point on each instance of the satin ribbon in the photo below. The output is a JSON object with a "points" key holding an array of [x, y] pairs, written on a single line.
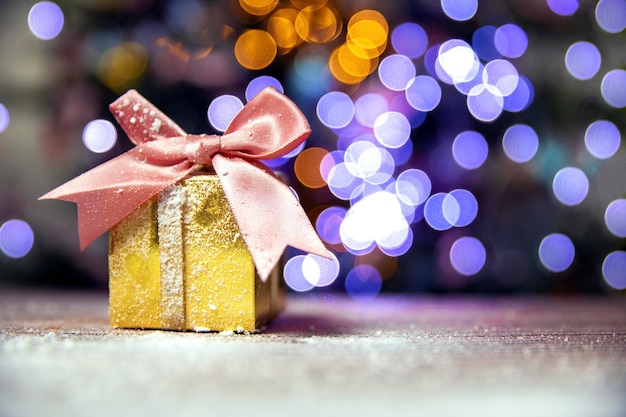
{"points": [[267, 212]]}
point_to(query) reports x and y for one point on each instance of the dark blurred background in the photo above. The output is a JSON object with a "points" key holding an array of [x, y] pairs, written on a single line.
{"points": [[183, 54]]}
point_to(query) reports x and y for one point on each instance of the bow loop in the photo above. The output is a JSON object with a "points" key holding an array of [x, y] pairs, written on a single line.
{"points": [[200, 149]]}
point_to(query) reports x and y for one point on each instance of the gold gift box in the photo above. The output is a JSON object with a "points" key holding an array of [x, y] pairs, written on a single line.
{"points": [[179, 262]]}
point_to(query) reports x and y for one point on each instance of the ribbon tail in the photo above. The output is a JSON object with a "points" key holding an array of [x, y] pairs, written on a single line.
{"points": [[109, 192], [268, 214]]}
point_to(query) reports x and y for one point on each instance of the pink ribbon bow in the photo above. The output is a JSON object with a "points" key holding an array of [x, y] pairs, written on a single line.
{"points": [[268, 214]]}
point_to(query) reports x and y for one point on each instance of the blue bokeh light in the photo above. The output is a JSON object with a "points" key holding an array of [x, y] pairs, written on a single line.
{"points": [[485, 102], [368, 107], [521, 97], [258, 84], [520, 143], [614, 270], [363, 283], [335, 109], [413, 187], [556, 252], [511, 40], [563, 7], [328, 222], [423, 93], [16, 238], [602, 139], [294, 275], [433, 212], [468, 206], [583, 60], [459, 10], [320, 271], [614, 88], [611, 15], [470, 149], [99, 136], [409, 39], [501, 74], [45, 20], [570, 186], [615, 217], [468, 255], [396, 71], [222, 110]]}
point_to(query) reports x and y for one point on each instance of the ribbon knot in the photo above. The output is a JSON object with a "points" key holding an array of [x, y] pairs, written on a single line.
{"points": [[269, 216]]}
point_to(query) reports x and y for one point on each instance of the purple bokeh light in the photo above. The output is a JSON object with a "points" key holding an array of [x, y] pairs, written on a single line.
{"points": [[583, 60], [468, 255], [45, 20], [423, 93], [602, 139], [413, 187], [258, 84], [483, 43], [459, 10], [485, 102], [4, 118], [433, 212], [614, 270], [363, 283], [501, 74], [556, 252], [563, 7], [368, 107], [511, 40], [468, 206], [99, 136], [392, 129], [328, 223], [294, 275], [222, 110], [615, 217], [614, 88], [570, 186], [16, 238], [396, 71], [520, 143], [409, 39], [335, 109], [320, 271], [470, 149], [611, 15], [521, 97]]}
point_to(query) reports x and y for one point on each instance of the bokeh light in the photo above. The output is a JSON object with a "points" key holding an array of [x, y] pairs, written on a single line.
{"points": [[306, 167], [255, 49], [5, 118], [282, 27], [614, 270], [563, 7], [320, 271], [556, 252], [485, 103], [602, 139], [45, 20], [258, 7], [328, 223], [614, 88], [409, 39], [511, 40], [501, 74], [520, 143], [423, 93], [99, 136], [260, 83], [121, 66], [470, 149], [222, 110], [583, 60], [570, 186], [433, 212], [368, 107], [521, 97], [468, 255], [396, 71], [483, 43], [335, 109], [467, 206], [456, 62], [294, 276], [615, 217], [413, 187], [367, 33], [392, 129], [460, 10], [16, 238], [611, 15], [363, 282], [318, 24]]}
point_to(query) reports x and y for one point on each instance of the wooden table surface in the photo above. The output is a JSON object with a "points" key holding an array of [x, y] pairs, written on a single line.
{"points": [[325, 356]]}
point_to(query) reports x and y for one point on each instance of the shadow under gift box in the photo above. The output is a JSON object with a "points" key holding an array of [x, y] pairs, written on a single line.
{"points": [[179, 262]]}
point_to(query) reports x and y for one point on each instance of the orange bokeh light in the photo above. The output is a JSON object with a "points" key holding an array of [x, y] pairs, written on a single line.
{"points": [[307, 167], [258, 7], [255, 49], [318, 25]]}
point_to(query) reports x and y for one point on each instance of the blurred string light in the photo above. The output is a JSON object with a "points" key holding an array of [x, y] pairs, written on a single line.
{"points": [[611, 15], [470, 149], [45, 20], [556, 252], [335, 109], [614, 270], [614, 88], [396, 71], [122, 65], [222, 111], [99, 136], [4, 118], [563, 7], [510, 40], [583, 60], [602, 139], [570, 186], [260, 83], [306, 167], [460, 10], [304, 272], [423, 93], [615, 217], [16, 238], [255, 49], [409, 39]]}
